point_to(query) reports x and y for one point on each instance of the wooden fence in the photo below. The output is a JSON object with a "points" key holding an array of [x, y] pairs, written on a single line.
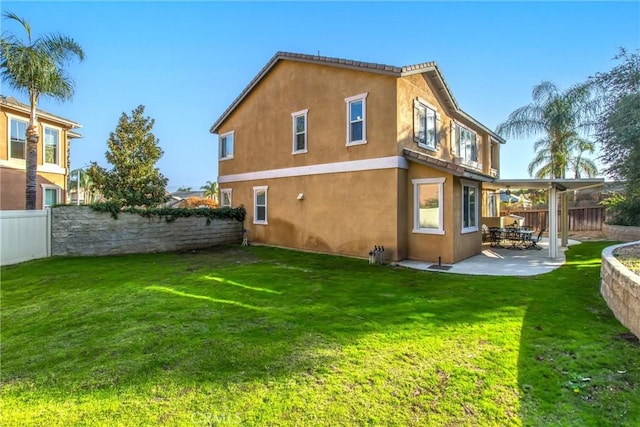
{"points": [[580, 219]]}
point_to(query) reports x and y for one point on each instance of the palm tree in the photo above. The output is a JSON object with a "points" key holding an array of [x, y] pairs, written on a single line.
{"points": [[211, 190], [563, 118], [85, 185], [36, 68]]}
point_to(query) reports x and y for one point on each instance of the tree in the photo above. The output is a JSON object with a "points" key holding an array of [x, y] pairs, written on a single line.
{"points": [[618, 131], [619, 87], [185, 189], [564, 119], [36, 68], [133, 151], [211, 190], [85, 185]]}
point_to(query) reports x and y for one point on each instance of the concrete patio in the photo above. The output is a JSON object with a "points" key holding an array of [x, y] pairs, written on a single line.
{"points": [[501, 262]]}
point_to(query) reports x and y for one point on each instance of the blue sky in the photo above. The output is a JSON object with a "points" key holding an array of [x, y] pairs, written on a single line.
{"points": [[187, 61]]}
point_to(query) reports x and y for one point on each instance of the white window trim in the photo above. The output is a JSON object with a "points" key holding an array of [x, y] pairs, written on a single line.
{"points": [[464, 160], [348, 101], [306, 131], [266, 205], [228, 191], [416, 205], [465, 183], [435, 124], [233, 135], [44, 194], [59, 148], [21, 119]]}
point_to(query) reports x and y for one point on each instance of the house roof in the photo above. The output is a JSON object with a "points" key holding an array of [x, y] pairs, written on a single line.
{"points": [[429, 68], [436, 163], [11, 102]]}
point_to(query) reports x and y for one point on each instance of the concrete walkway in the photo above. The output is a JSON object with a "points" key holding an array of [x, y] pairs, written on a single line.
{"points": [[502, 262]]}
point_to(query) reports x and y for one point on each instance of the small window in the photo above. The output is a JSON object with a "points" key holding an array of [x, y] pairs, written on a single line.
{"points": [[51, 145], [225, 196], [467, 144], [424, 125], [469, 206], [260, 205], [357, 119], [51, 196], [428, 205], [18, 137], [226, 146], [300, 131]]}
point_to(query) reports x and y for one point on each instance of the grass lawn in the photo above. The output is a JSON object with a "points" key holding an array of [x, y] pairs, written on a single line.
{"points": [[263, 336]]}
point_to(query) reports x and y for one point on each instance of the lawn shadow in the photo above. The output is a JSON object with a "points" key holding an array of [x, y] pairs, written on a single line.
{"points": [[573, 366]]}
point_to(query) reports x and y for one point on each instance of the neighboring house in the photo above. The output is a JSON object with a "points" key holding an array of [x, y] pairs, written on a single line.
{"points": [[53, 155], [336, 156]]}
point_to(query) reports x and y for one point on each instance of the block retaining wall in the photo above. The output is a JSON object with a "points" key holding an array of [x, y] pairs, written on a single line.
{"points": [[621, 233], [79, 230], [620, 288]]}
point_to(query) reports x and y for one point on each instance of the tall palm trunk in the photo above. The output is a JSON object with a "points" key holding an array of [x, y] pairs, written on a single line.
{"points": [[32, 166]]}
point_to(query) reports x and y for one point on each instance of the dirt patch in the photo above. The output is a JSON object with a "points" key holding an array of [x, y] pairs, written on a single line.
{"points": [[587, 235], [629, 256]]}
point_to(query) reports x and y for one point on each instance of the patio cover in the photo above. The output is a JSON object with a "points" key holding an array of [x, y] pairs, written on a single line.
{"points": [[555, 187]]}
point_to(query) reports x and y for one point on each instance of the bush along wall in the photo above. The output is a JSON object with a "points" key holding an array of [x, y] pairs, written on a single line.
{"points": [[105, 229]]}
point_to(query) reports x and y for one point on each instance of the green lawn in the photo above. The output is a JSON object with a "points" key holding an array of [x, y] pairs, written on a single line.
{"points": [[262, 336]]}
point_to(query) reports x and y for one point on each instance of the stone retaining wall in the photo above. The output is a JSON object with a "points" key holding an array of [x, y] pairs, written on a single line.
{"points": [[621, 233], [620, 288], [79, 230]]}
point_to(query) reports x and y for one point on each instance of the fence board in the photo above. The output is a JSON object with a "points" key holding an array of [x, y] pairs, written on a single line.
{"points": [[580, 219], [24, 235]]}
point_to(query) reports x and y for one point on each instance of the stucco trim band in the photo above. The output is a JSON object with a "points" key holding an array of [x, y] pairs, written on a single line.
{"points": [[392, 162]]}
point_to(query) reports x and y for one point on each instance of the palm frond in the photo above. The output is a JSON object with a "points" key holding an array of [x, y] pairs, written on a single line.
{"points": [[23, 22], [522, 123], [544, 92]]}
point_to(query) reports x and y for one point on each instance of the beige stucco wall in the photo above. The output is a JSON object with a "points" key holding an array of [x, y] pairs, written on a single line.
{"points": [[263, 124], [349, 212], [343, 213], [428, 247], [12, 172], [418, 86]]}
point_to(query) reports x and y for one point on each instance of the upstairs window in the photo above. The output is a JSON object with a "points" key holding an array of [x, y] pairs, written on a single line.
{"points": [[300, 131], [226, 145], [18, 138], [51, 145], [467, 144], [357, 119], [225, 198], [425, 120]]}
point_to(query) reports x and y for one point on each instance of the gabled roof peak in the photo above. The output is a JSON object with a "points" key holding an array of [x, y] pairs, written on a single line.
{"points": [[429, 68]]}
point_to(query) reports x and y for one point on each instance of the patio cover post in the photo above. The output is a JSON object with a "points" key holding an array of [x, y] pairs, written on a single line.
{"points": [[553, 222], [564, 218]]}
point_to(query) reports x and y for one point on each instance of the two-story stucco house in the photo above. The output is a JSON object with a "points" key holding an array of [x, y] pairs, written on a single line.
{"points": [[337, 156], [52, 162]]}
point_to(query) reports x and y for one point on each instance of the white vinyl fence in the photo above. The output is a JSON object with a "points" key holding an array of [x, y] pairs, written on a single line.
{"points": [[24, 235]]}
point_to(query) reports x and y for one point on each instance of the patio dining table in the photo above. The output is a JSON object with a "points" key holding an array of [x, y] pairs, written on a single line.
{"points": [[518, 238]]}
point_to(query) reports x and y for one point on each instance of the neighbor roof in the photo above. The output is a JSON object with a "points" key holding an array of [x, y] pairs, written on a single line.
{"points": [[11, 102], [429, 68]]}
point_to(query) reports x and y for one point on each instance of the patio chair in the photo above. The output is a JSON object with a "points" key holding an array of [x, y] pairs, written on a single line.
{"points": [[495, 236], [485, 233], [533, 242]]}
